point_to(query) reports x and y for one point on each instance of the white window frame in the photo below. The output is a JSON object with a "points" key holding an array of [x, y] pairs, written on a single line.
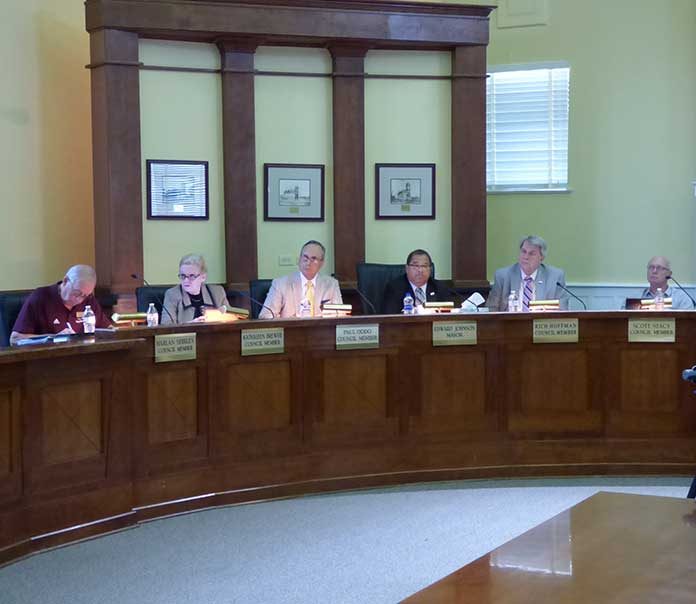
{"points": [[552, 147]]}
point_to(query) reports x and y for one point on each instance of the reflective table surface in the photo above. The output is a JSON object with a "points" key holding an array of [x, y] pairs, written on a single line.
{"points": [[611, 548]]}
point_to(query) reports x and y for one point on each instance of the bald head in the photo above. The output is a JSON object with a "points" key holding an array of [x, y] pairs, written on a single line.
{"points": [[79, 283]]}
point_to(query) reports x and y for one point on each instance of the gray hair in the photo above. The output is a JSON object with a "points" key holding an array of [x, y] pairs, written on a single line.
{"points": [[314, 242], [665, 261], [81, 273], [196, 259], [537, 241]]}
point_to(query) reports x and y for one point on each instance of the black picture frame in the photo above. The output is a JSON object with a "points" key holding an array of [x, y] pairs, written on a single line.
{"points": [[293, 192], [405, 191], [177, 189]]}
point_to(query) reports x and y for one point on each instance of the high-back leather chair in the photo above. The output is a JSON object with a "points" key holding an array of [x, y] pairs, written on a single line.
{"points": [[150, 294], [258, 290], [10, 305], [373, 279]]}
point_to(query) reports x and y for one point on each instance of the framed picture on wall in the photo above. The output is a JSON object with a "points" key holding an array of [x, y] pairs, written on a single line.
{"points": [[177, 189], [405, 191], [293, 192]]}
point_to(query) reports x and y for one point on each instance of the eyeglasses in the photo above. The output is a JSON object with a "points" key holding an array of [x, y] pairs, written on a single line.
{"points": [[306, 258], [77, 294], [657, 267], [191, 277], [419, 267]]}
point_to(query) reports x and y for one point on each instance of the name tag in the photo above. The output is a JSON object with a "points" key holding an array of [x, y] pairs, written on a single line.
{"points": [[548, 331], [454, 333], [263, 341], [175, 347], [651, 330], [351, 337]]}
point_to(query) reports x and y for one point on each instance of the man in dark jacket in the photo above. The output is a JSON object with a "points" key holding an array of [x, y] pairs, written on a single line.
{"points": [[416, 281]]}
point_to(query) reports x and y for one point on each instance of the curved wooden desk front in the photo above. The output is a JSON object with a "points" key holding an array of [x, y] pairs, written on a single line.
{"points": [[98, 436]]}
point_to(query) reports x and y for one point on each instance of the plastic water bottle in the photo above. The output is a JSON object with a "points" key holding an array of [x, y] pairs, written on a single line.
{"points": [[408, 304], [305, 309], [659, 299], [152, 316], [89, 321], [512, 302]]}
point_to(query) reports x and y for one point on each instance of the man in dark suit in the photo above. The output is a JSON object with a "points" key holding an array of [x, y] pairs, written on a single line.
{"points": [[416, 281]]}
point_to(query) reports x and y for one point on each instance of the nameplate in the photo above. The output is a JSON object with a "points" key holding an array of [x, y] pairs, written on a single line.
{"points": [[651, 330], [550, 331], [263, 341], [351, 337], [454, 333], [175, 347]]}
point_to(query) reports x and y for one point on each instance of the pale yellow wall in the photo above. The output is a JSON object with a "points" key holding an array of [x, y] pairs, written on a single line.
{"points": [[408, 121], [293, 125], [181, 118], [632, 151], [45, 141], [632, 156]]}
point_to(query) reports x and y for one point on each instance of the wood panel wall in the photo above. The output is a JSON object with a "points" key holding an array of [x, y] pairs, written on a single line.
{"points": [[100, 433], [349, 29]]}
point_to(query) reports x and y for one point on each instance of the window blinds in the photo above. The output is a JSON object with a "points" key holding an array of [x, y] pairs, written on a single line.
{"points": [[527, 128]]}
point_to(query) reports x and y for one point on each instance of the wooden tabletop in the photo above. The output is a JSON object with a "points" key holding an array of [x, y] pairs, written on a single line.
{"points": [[611, 548]]}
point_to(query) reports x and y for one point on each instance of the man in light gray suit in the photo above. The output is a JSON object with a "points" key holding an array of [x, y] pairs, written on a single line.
{"points": [[306, 285], [540, 280]]}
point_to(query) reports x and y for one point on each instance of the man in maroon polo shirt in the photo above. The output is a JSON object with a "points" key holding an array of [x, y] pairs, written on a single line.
{"points": [[58, 308]]}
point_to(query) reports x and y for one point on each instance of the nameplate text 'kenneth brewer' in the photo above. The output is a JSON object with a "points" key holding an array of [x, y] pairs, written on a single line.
{"points": [[548, 331], [454, 333], [175, 347], [263, 341], [651, 330], [350, 337]]}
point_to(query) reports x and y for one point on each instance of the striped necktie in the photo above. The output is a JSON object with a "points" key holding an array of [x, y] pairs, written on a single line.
{"points": [[420, 296], [527, 294], [310, 297]]}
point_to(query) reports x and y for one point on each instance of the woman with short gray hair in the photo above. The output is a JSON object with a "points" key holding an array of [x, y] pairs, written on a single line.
{"points": [[189, 300]]}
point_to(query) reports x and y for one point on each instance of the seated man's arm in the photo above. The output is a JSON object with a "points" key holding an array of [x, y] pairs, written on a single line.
{"points": [[443, 293], [103, 320], [335, 296], [680, 301], [26, 325], [392, 301], [273, 303], [496, 294]]}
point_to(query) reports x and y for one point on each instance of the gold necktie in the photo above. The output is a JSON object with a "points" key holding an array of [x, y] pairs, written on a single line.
{"points": [[310, 297]]}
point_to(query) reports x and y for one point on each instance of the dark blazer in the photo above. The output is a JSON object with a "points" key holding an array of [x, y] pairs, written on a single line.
{"points": [[396, 289]]}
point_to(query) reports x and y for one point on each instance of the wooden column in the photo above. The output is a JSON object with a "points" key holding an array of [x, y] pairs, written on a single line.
{"points": [[469, 166], [239, 157], [349, 158], [118, 228]]}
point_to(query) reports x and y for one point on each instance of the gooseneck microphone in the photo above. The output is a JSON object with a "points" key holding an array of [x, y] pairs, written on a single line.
{"points": [[565, 289], [679, 285], [254, 300], [363, 296], [158, 298]]}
